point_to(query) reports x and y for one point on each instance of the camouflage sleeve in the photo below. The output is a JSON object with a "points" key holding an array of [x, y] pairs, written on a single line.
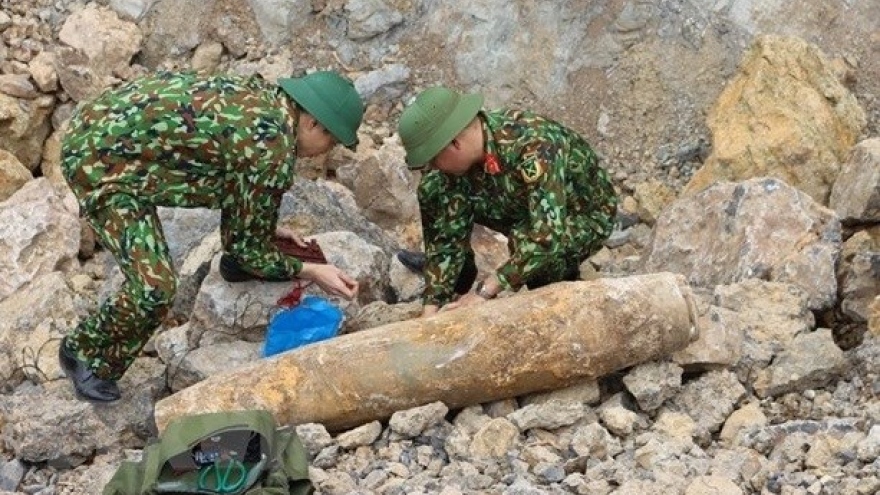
{"points": [[248, 223], [540, 240], [447, 221]]}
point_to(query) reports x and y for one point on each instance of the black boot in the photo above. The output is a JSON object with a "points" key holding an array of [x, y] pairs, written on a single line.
{"points": [[414, 260], [86, 383], [572, 273], [467, 276], [231, 271]]}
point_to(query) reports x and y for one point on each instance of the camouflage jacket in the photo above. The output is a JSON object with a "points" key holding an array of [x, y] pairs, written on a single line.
{"points": [[189, 140], [540, 184]]}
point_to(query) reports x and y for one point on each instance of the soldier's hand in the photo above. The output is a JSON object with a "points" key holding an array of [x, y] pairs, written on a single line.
{"points": [[285, 233], [469, 299], [430, 309], [331, 279]]}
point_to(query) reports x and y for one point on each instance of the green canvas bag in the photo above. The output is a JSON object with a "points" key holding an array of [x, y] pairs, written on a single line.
{"points": [[231, 453]]}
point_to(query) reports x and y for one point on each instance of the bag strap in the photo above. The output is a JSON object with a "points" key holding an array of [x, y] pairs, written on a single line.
{"points": [[288, 474]]}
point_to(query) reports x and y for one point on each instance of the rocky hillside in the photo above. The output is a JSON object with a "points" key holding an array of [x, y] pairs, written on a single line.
{"points": [[742, 136]]}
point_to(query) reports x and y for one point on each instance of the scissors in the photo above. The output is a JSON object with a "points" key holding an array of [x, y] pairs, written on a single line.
{"points": [[229, 476]]}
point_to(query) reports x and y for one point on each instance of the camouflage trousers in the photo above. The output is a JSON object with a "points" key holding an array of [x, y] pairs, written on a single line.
{"points": [[111, 338], [176, 140]]}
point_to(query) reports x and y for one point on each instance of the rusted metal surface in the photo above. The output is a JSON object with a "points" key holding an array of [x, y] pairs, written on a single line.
{"points": [[539, 340]]}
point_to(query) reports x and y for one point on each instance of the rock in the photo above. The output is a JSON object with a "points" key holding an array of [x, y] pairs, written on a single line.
{"points": [[549, 415], [313, 207], [812, 361], [678, 427], [13, 175], [314, 437], [378, 313], [407, 286], [24, 125], [384, 188], [652, 383], [495, 438], [709, 400], [859, 284], [32, 322], [721, 340], [224, 311], [747, 416], [207, 56], [132, 9], [49, 424], [11, 474], [785, 115], [759, 228], [874, 318], [869, 448], [769, 314], [102, 43], [197, 364], [360, 436], [584, 393], [40, 230], [653, 197], [369, 18], [856, 192], [42, 70], [594, 441], [712, 485], [18, 86], [617, 415], [50, 167], [413, 422]]}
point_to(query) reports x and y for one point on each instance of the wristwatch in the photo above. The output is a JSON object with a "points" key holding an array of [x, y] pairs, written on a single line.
{"points": [[482, 292]]}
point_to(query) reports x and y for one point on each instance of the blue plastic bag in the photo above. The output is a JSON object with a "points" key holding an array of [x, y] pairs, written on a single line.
{"points": [[312, 320]]}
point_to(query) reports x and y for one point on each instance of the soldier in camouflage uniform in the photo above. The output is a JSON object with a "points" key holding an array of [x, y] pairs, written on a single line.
{"points": [[191, 140], [523, 175]]}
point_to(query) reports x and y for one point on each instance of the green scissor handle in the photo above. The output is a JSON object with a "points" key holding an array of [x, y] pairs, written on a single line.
{"points": [[229, 476]]}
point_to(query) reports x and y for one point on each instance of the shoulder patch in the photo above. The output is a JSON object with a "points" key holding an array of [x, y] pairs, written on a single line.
{"points": [[532, 170]]}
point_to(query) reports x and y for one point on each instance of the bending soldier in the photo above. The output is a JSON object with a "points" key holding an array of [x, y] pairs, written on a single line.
{"points": [[191, 140], [518, 173]]}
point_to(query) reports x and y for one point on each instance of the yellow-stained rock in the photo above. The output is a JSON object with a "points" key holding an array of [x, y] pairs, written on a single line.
{"points": [[785, 115], [539, 340]]}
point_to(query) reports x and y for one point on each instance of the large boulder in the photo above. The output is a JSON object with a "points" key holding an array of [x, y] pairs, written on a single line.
{"points": [[39, 232], [99, 49], [760, 228], [785, 115]]}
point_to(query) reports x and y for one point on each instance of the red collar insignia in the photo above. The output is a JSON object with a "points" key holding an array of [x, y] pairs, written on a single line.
{"points": [[493, 165]]}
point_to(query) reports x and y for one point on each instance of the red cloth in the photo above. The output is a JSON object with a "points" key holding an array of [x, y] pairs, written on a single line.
{"points": [[293, 297]]}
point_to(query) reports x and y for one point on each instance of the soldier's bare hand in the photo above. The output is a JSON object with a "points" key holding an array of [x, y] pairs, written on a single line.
{"points": [[430, 309], [469, 299], [331, 279]]}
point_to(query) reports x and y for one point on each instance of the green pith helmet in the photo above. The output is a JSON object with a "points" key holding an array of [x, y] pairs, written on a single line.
{"points": [[331, 99], [433, 120]]}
